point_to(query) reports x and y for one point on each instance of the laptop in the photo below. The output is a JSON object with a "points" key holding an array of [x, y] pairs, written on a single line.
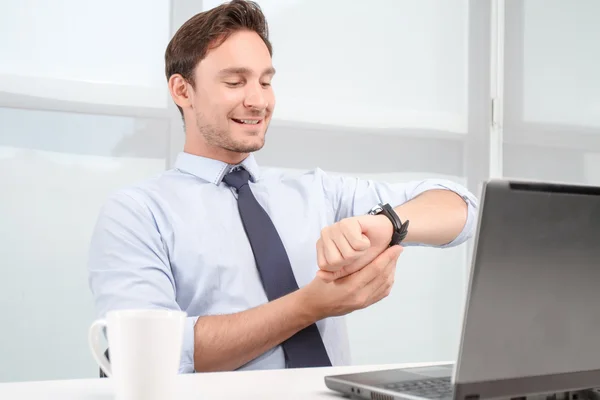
{"points": [[531, 322]]}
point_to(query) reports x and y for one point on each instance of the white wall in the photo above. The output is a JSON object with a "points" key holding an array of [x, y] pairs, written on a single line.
{"points": [[74, 89], [552, 91], [56, 169], [107, 52], [561, 59], [381, 63]]}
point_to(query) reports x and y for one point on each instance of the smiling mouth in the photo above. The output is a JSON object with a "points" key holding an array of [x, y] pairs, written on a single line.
{"points": [[247, 121]]}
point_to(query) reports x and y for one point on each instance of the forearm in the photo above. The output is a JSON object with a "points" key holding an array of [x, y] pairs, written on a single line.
{"points": [[226, 342], [436, 217]]}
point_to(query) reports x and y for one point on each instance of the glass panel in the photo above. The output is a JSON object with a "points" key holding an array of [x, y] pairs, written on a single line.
{"points": [[56, 170], [561, 57], [108, 52], [552, 91], [381, 64]]}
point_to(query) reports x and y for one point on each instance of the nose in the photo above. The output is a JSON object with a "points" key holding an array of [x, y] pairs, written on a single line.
{"points": [[256, 97]]}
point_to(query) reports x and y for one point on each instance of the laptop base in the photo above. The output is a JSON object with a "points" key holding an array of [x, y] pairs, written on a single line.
{"points": [[376, 385], [383, 385]]}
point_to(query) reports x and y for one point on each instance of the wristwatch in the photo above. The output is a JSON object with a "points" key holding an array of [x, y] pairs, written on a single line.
{"points": [[400, 229]]}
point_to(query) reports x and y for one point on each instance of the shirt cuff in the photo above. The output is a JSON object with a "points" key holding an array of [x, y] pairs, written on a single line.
{"points": [[472, 206], [186, 365]]}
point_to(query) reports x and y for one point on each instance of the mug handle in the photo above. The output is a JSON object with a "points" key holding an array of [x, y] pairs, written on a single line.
{"points": [[94, 341]]}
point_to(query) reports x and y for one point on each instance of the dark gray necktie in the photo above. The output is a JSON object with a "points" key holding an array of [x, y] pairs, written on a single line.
{"points": [[305, 348]]}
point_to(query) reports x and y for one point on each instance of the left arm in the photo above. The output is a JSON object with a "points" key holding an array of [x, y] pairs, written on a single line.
{"points": [[437, 217], [441, 214]]}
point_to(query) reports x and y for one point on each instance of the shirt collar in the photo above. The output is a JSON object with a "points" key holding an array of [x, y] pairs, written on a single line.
{"points": [[212, 170]]}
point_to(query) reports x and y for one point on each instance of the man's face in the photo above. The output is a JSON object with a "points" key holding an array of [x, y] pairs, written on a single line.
{"points": [[233, 99]]}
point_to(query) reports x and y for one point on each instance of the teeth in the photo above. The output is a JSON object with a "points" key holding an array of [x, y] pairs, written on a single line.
{"points": [[249, 121]]}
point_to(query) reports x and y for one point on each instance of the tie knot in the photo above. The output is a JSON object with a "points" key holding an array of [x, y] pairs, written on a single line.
{"points": [[237, 178]]}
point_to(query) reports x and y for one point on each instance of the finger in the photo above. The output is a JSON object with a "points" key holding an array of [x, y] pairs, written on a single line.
{"points": [[330, 251], [372, 270], [348, 253], [352, 232], [332, 254], [321, 261], [359, 279], [326, 276], [330, 276], [384, 287], [384, 278], [377, 289]]}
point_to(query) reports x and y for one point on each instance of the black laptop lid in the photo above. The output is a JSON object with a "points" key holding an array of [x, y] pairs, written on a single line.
{"points": [[533, 307]]}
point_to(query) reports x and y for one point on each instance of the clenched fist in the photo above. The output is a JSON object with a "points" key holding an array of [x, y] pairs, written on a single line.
{"points": [[350, 244], [372, 283]]}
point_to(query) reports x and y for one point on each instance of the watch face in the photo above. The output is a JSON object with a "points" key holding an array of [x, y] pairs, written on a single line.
{"points": [[376, 210]]}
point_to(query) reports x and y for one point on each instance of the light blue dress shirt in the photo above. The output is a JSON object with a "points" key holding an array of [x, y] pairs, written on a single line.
{"points": [[176, 241]]}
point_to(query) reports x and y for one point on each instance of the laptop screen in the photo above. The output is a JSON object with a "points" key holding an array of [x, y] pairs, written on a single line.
{"points": [[533, 306]]}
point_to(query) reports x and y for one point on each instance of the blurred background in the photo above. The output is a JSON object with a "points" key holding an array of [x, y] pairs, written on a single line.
{"points": [[391, 90]]}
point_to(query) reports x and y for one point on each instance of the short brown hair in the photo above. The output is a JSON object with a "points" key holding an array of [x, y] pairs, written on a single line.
{"points": [[207, 30]]}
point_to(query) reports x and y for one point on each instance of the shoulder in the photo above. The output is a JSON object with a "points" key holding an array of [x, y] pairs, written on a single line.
{"points": [[141, 195], [329, 185], [314, 180], [294, 175]]}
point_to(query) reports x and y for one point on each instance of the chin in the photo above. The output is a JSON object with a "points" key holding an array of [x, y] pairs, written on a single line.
{"points": [[248, 145], [247, 139], [255, 146]]}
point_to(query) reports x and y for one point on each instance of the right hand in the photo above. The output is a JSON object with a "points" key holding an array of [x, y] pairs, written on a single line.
{"points": [[350, 244], [356, 291]]}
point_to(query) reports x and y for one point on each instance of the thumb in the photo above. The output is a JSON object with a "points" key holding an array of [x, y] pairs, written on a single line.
{"points": [[328, 277], [394, 252]]}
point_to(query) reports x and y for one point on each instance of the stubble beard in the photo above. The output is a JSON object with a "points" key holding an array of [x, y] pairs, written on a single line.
{"points": [[218, 137]]}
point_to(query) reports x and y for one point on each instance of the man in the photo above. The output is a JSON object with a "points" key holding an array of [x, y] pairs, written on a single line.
{"points": [[262, 264]]}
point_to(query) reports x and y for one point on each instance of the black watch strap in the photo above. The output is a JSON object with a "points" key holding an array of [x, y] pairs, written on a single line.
{"points": [[400, 229]]}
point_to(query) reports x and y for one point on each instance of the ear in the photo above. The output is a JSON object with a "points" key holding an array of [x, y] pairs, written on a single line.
{"points": [[180, 91]]}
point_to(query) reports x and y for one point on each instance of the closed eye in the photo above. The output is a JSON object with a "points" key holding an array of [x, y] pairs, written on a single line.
{"points": [[233, 84]]}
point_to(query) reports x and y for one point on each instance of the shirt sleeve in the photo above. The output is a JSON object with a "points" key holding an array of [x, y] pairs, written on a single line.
{"points": [[129, 266], [351, 197]]}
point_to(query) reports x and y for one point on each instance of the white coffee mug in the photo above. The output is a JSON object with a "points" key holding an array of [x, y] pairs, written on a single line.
{"points": [[144, 350]]}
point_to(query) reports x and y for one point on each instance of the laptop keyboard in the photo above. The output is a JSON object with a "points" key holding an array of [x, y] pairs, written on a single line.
{"points": [[433, 388]]}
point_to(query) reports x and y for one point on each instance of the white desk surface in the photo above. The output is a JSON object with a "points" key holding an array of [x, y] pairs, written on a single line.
{"points": [[292, 384]]}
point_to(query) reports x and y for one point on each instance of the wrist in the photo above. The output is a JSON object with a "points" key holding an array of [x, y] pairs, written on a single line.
{"points": [[399, 229], [385, 222], [305, 308]]}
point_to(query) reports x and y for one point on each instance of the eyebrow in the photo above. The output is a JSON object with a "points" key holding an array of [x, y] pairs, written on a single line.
{"points": [[244, 71]]}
